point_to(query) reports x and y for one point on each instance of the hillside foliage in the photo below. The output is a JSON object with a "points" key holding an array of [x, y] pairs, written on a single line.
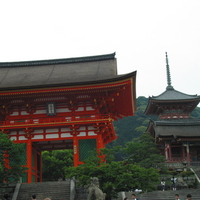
{"points": [[132, 127]]}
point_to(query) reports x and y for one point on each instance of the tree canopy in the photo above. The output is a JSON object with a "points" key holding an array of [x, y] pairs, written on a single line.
{"points": [[143, 151], [10, 160], [115, 177], [54, 164]]}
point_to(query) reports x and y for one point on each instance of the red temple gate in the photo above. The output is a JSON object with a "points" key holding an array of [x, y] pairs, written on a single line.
{"points": [[74, 115]]}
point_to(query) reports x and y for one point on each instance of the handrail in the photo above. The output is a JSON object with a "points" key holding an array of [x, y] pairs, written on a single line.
{"points": [[72, 189], [16, 192], [195, 175], [49, 120]]}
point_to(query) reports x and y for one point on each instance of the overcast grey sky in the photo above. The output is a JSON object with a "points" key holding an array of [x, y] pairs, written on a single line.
{"points": [[139, 31]]}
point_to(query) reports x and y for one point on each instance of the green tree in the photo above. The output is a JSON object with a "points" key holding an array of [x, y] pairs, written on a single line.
{"points": [[10, 160], [54, 163], [114, 176], [143, 151]]}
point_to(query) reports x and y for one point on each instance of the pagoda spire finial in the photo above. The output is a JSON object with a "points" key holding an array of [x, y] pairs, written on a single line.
{"points": [[169, 87]]}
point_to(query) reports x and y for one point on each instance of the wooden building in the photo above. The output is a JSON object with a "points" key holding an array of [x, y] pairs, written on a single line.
{"points": [[63, 104], [175, 132]]}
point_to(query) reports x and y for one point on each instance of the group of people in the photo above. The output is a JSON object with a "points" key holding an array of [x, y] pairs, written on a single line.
{"points": [[133, 197], [189, 197], [173, 180]]}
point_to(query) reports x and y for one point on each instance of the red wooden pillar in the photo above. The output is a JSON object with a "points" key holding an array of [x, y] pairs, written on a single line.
{"points": [[29, 160], [75, 152], [183, 153], [188, 153], [100, 145], [170, 153], [166, 151]]}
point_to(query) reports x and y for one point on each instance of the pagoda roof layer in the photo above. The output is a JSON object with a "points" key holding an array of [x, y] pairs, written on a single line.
{"points": [[169, 97], [71, 71], [174, 95], [176, 128]]}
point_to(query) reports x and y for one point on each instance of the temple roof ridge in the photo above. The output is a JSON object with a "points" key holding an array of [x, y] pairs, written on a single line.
{"points": [[58, 61], [172, 94], [60, 72]]}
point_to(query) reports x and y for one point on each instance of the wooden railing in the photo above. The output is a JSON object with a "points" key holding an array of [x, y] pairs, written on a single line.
{"points": [[51, 120]]}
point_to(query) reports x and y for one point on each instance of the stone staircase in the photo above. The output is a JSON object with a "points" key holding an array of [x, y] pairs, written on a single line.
{"points": [[196, 169], [167, 195], [57, 190]]}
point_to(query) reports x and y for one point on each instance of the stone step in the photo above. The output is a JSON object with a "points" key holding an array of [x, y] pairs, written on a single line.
{"points": [[56, 190], [166, 195]]}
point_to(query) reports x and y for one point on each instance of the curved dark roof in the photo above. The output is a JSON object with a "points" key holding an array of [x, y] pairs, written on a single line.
{"points": [[173, 95], [58, 61], [176, 128], [86, 82], [169, 97], [65, 72], [177, 122]]}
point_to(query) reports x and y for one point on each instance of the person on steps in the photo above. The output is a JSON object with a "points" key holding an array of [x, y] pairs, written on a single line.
{"points": [[33, 197], [177, 197], [6, 197], [133, 196], [163, 185], [189, 197]]}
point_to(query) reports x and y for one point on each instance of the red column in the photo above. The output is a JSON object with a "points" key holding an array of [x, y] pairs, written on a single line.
{"points": [[29, 159], [183, 153], [188, 153], [100, 145], [166, 151], [75, 151], [170, 153]]}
